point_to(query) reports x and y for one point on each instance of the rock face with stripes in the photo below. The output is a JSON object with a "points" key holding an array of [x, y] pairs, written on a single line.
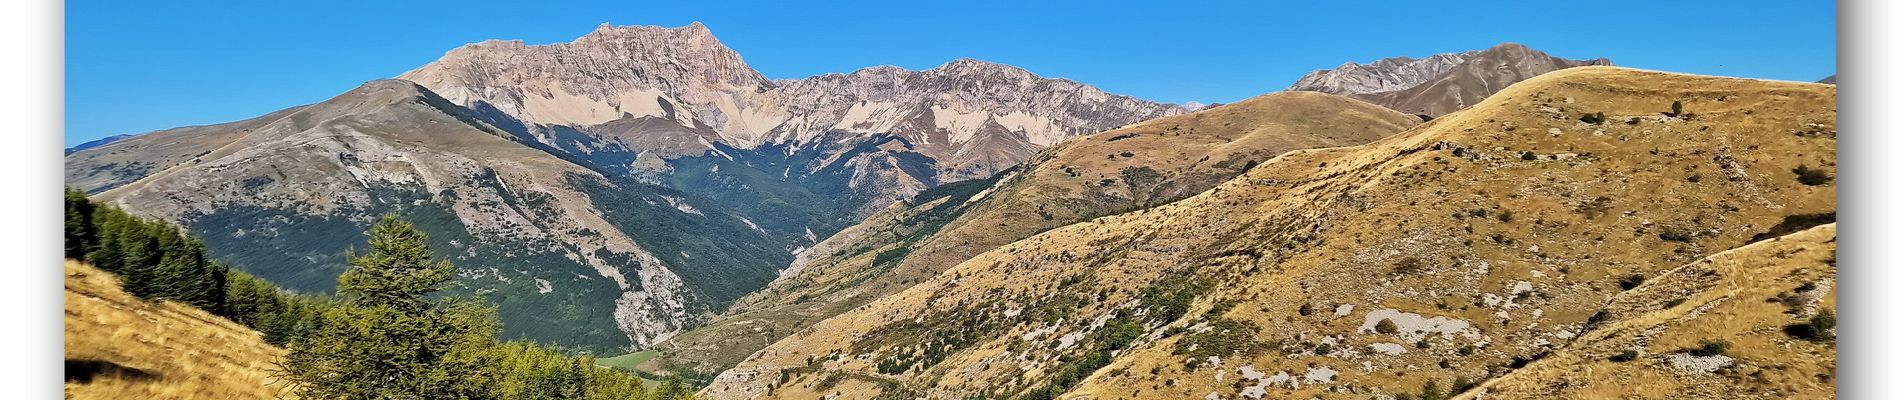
{"points": [[893, 131], [1439, 84], [607, 192]]}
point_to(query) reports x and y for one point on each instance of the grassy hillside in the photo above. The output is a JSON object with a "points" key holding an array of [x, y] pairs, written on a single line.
{"points": [[1464, 248], [120, 347], [1760, 299], [1137, 166]]}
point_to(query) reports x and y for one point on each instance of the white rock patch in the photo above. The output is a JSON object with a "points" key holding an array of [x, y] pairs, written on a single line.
{"points": [[1390, 349], [1413, 327]]}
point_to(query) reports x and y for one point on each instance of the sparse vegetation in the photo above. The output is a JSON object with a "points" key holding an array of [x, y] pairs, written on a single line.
{"points": [[1818, 328], [1386, 326], [1812, 176], [1676, 234], [1710, 348], [1625, 356], [1408, 265], [1631, 281]]}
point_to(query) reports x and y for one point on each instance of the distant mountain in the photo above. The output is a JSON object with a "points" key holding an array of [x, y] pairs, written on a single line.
{"points": [[98, 142], [1439, 84], [606, 193], [573, 257], [1384, 75], [1828, 80], [883, 133]]}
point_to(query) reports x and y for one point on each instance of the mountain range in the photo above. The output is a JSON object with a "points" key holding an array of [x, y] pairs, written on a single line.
{"points": [[564, 175], [1497, 251], [975, 230]]}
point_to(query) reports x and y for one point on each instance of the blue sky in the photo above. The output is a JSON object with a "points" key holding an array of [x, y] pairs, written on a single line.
{"points": [[134, 68]]}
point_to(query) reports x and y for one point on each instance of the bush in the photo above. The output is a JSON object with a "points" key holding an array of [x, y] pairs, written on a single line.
{"points": [[1675, 234], [1592, 119], [1711, 347], [1811, 176], [1462, 384], [1409, 265], [1819, 328], [1529, 156], [1306, 309], [1631, 281], [1431, 391], [1625, 356], [1386, 326]]}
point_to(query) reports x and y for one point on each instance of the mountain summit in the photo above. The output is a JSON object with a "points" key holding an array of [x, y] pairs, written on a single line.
{"points": [[1438, 84], [607, 192]]}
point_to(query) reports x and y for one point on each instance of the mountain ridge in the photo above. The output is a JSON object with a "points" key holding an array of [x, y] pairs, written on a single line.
{"points": [[1514, 216], [1441, 83]]}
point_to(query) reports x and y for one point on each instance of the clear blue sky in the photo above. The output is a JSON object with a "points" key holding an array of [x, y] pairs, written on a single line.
{"points": [[139, 66]]}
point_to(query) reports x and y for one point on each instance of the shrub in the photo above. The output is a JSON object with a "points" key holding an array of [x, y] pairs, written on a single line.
{"points": [[1675, 109], [1711, 347], [1676, 234], [1592, 119], [1462, 384], [1819, 328], [1323, 349], [1625, 356], [1631, 281], [1529, 156], [1431, 391], [1506, 216], [1811, 176], [1306, 309], [1409, 265], [1386, 326]]}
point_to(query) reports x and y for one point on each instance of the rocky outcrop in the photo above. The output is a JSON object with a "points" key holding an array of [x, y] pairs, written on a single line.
{"points": [[970, 117], [1389, 74], [1438, 84]]}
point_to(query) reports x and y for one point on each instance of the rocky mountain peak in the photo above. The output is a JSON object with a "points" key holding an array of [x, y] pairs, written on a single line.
{"points": [[1440, 83], [1388, 74]]}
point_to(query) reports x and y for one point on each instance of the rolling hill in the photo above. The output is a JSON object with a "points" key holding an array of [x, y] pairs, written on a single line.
{"points": [[121, 347], [1466, 247], [1137, 166]]}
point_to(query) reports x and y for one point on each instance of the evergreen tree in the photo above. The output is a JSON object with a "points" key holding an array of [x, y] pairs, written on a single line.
{"points": [[397, 272], [82, 235], [388, 341]]}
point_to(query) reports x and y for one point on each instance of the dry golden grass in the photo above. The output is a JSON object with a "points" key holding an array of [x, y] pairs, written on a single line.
{"points": [[1728, 296], [1639, 193], [1187, 153], [148, 351]]}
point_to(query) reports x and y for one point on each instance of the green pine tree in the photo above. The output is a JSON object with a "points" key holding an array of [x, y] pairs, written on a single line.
{"points": [[389, 341], [82, 236], [397, 272]]}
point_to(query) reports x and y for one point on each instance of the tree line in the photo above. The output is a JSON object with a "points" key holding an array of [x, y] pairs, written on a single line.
{"points": [[386, 334]]}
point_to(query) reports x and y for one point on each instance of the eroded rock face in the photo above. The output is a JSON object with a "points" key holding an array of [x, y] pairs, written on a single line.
{"points": [[968, 118], [285, 195], [1384, 75], [1439, 84]]}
